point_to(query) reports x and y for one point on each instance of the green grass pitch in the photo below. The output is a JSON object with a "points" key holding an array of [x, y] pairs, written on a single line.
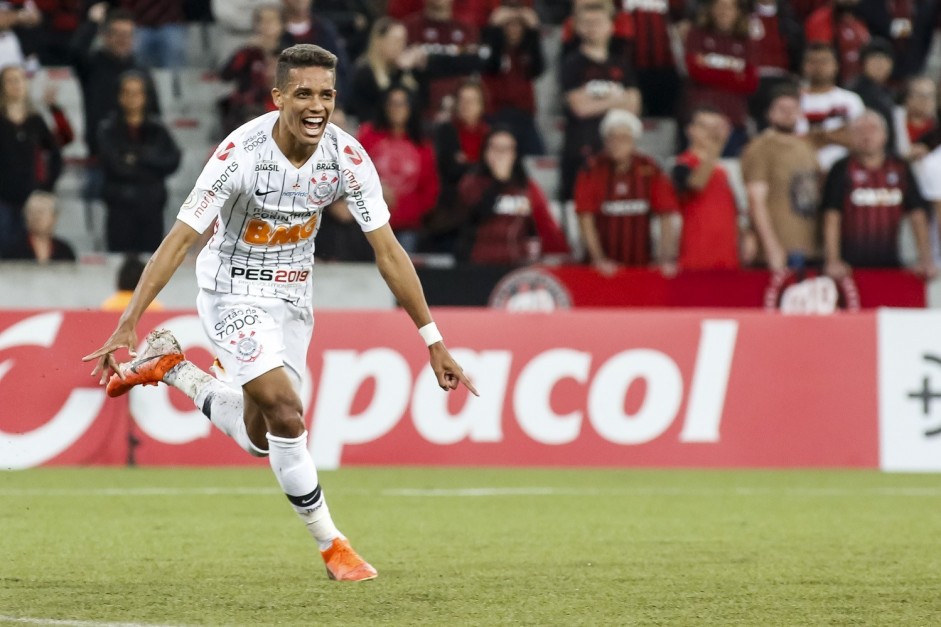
{"points": [[90, 547]]}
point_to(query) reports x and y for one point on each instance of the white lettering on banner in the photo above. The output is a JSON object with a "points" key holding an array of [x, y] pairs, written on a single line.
{"points": [[479, 419], [343, 374], [661, 402], [534, 387], [710, 381], [152, 409], [25, 450]]}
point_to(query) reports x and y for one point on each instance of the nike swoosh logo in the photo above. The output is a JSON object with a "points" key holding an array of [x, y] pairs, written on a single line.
{"points": [[139, 363], [258, 192], [306, 502]]}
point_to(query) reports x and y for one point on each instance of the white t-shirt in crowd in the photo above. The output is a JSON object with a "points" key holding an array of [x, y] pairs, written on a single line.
{"points": [[829, 111], [266, 212]]}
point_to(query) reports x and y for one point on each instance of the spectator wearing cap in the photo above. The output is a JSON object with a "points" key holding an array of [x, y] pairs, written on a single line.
{"points": [[872, 84], [616, 196]]}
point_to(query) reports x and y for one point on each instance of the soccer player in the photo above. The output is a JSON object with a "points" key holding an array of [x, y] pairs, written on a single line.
{"points": [[263, 192]]}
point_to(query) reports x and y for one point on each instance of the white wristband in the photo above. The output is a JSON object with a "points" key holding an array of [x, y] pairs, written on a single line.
{"points": [[430, 334]]}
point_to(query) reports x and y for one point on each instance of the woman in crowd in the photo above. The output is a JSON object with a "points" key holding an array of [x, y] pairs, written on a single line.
{"points": [[505, 217], [137, 155], [721, 64], [458, 141], [39, 243], [29, 152], [252, 68], [386, 64], [514, 63], [405, 162]]}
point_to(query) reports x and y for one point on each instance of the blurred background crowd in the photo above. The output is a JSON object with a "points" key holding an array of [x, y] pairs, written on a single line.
{"points": [[682, 135]]}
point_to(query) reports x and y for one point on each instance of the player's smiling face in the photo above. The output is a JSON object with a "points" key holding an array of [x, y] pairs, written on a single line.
{"points": [[306, 103]]}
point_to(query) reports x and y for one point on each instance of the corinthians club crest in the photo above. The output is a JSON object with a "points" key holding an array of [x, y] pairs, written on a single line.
{"points": [[325, 187], [247, 348]]}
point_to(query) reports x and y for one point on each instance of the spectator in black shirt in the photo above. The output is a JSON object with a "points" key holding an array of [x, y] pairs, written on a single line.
{"points": [[29, 152], [386, 64], [137, 155], [876, 63], [39, 242], [865, 197], [594, 81]]}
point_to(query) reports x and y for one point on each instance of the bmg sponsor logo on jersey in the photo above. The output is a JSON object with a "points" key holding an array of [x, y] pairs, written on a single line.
{"points": [[260, 232]]}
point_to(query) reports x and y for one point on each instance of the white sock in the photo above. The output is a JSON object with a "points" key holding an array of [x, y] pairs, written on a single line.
{"points": [[294, 468], [221, 404]]}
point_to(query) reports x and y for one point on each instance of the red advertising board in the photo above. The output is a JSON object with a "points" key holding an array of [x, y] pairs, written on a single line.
{"points": [[573, 388]]}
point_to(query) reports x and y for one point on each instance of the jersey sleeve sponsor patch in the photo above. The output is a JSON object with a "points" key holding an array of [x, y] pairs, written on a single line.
{"points": [[212, 188], [361, 186]]}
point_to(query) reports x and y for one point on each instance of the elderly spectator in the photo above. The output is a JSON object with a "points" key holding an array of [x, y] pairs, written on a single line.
{"points": [[780, 172], [709, 238], [305, 27], [451, 48], [615, 196], [917, 121], [720, 58], [252, 69], [865, 197], [459, 142], [505, 215], [513, 62], [594, 81], [836, 24], [29, 152], [39, 243], [779, 42], [827, 109], [386, 64], [137, 155], [405, 162], [872, 84]]}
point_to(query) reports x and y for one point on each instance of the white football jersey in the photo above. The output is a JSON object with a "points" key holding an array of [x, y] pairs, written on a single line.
{"points": [[265, 212]]}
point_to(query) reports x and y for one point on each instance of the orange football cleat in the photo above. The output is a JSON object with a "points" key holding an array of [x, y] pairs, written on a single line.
{"points": [[345, 564], [163, 352]]}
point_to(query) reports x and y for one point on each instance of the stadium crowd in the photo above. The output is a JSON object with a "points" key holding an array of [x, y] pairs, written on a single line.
{"points": [[823, 105]]}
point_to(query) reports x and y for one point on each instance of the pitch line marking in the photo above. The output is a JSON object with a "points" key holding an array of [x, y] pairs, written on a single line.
{"points": [[476, 492], [25, 620]]}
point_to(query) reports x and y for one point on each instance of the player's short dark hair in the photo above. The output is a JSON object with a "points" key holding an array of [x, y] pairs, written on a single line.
{"points": [[129, 273], [784, 90], [819, 46], [302, 55]]}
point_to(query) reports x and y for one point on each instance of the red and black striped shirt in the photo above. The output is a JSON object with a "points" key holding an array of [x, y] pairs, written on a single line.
{"points": [[872, 203], [652, 20], [622, 203]]}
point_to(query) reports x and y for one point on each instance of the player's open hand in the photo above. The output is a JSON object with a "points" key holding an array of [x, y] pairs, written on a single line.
{"points": [[107, 364], [448, 372]]}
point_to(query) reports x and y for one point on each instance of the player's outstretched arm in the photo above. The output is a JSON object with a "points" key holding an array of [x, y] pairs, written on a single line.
{"points": [[159, 269], [399, 274]]}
